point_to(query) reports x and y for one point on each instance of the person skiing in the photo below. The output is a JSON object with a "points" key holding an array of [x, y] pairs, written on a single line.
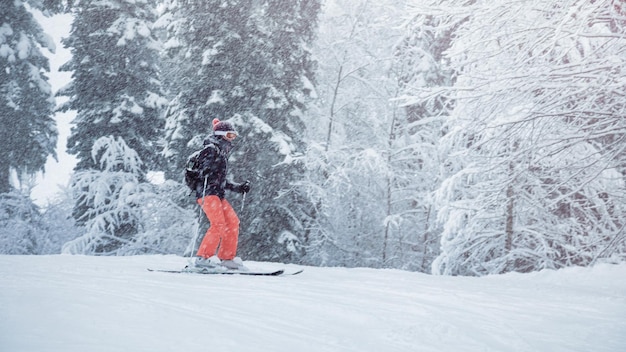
{"points": [[219, 245]]}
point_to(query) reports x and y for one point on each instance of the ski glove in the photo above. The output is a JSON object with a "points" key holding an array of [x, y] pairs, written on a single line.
{"points": [[244, 187]]}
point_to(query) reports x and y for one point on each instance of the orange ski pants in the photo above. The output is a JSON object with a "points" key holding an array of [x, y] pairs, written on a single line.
{"points": [[224, 229]]}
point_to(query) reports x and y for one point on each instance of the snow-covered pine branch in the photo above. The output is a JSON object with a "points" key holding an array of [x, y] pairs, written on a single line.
{"points": [[122, 214]]}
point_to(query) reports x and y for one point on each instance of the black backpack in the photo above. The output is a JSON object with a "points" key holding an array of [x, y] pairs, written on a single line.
{"points": [[192, 167]]}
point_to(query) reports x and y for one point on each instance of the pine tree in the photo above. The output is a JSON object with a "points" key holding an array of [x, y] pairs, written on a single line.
{"points": [[246, 62], [28, 134], [115, 90], [206, 60], [274, 130]]}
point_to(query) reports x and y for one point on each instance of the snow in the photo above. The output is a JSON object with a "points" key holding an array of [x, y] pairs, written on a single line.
{"points": [[130, 29], [79, 303], [23, 47]]}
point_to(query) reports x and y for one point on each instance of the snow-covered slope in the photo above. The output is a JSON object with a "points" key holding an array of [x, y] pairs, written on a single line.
{"points": [[77, 303]]}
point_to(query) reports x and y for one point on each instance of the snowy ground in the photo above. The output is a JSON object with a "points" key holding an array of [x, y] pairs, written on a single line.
{"points": [[77, 303]]}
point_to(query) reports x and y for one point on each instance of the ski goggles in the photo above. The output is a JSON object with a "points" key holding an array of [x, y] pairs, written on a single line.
{"points": [[227, 134]]}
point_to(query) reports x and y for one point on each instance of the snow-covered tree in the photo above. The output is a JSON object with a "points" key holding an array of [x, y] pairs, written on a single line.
{"points": [[369, 176], [377, 216], [21, 227], [534, 150], [420, 63], [274, 143], [28, 134], [25, 228], [125, 215], [115, 88], [60, 226], [248, 62], [206, 58]]}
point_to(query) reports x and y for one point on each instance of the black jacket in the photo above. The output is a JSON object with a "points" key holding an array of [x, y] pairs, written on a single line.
{"points": [[214, 167]]}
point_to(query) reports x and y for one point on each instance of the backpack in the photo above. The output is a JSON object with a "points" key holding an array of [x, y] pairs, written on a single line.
{"points": [[192, 168]]}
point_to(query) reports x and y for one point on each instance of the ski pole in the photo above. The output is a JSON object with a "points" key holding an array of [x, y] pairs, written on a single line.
{"points": [[243, 201]]}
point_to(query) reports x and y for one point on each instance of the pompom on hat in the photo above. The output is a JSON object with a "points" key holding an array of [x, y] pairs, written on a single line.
{"points": [[221, 128]]}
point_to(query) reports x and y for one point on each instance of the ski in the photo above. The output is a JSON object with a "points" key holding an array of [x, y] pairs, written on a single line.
{"points": [[280, 272]]}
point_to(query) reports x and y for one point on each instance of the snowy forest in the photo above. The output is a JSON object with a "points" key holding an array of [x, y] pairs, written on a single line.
{"points": [[452, 137]]}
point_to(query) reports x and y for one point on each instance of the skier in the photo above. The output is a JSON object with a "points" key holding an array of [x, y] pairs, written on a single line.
{"points": [[223, 232]]}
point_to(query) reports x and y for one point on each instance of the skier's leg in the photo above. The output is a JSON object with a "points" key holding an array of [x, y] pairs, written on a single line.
{"points": [[212, 207], [228, 247]]}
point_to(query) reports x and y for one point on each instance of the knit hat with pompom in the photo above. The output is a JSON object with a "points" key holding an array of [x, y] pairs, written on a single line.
{"points": [[221, 128]]}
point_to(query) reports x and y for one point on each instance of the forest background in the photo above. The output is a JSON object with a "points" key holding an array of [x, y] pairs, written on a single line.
{"points": [[453, 137]]}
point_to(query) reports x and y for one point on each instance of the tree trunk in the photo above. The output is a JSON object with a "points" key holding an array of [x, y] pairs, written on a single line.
{"points": [[5, 174]]}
